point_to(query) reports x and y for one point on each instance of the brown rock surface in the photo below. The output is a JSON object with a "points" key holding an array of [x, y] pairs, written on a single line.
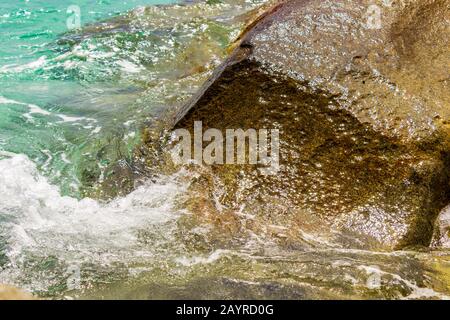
{"points": [[363, 112]]}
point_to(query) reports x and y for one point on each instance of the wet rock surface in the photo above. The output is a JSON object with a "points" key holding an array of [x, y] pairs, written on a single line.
{"points": [[363, 112]]}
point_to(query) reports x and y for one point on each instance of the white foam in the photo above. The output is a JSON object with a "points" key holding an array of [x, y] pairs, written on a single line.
{"points": [[3, 100], [129, 67], [34, 109], [69, 118], [41, 221], [15, 68]]}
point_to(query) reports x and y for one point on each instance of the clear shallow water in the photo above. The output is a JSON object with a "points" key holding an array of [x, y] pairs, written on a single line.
{"points": [[60, 103], [72, 103]]}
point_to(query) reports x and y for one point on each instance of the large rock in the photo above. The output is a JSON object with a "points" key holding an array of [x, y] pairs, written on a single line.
{"points": [[363, 107]]}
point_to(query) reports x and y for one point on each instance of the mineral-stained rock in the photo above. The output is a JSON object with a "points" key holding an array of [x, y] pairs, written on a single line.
{"points": [[359, 91]]}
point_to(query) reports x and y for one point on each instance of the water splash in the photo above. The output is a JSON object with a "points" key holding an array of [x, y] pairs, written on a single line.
{"points": [[37, 223]]}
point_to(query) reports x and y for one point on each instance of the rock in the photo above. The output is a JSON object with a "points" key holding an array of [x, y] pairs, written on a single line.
{"points": [[12, 293], [362, 106]]}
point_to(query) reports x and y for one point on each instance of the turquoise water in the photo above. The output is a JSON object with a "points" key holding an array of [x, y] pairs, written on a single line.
{"points": [[62, 103]]}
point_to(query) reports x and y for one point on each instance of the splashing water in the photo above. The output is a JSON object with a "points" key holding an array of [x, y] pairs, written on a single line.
{"points": [[38, 223]]}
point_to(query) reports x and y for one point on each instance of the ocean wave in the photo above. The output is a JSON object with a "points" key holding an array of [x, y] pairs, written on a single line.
{"points": [[37, 221]]}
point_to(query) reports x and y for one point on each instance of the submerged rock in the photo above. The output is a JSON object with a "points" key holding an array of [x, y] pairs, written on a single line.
{"points": [[359, 93]]}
